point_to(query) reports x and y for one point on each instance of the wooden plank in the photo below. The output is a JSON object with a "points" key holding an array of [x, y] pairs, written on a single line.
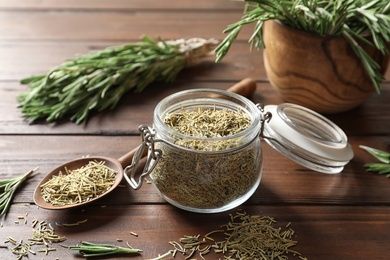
{"points": [[134, 109], [341, 216], [85, 5], [23, 59], [323, 233], [283, 181], [137, 109], [126, 25], [371, 116]]}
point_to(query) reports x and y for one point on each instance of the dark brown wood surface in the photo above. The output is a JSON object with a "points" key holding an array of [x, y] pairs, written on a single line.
{"points": [[342, 216]]}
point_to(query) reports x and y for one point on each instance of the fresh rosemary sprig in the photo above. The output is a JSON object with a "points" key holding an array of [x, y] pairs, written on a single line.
{"points": [[88, 249], [352, 19], [8, 188], [96, 81], [383, 157]]}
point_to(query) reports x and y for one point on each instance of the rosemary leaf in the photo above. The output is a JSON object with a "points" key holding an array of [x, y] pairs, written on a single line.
{"points": [[97, 80], [381, 168], [8, 188], [88, 249], [383, 157], [378, 154]]}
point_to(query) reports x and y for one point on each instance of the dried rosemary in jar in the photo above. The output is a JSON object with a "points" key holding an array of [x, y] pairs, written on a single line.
{"points": [[211, 153], [207, 123]]}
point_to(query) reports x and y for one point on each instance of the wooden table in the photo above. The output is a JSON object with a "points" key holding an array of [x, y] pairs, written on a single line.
{"points": [[342, 216]]}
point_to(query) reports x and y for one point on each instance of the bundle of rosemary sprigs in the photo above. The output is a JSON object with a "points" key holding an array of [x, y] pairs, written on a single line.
{"points": [[96, 81]]}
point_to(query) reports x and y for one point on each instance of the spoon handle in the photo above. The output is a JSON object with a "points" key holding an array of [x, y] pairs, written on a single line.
{"points": [[126, 159], [245, 87]]}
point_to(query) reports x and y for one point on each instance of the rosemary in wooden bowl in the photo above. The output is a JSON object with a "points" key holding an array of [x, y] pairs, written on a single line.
{"points": [[350, 19]]}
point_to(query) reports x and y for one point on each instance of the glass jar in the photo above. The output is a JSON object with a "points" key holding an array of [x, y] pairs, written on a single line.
{"points": [[228, 169], [212, 179]]}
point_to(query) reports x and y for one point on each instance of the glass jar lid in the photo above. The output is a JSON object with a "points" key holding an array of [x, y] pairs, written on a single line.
{"points": [[307, 138]]}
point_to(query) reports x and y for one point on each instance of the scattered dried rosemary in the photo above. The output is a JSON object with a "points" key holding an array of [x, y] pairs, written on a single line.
{"points": [[255, 237], [43, 236], [96, 81], [244, 237], [212, 171], [79, 185]]}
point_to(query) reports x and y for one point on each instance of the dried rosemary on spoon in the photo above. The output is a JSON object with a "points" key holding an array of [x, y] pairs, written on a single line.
{"points": [[79, 185], [96, 81]]}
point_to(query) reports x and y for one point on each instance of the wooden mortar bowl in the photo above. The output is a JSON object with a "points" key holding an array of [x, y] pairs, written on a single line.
{"points": [[320, 73]]}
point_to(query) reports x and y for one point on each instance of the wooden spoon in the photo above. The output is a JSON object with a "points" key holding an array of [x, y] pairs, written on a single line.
{"points": [[116, 165]]}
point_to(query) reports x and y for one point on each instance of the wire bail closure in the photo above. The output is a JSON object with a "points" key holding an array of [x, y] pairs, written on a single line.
{"points": [[147, 135], [265, 117]]}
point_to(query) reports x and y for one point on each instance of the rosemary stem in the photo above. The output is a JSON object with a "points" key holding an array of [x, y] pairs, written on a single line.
{"points": [[9, 187], [170, 252], [88, 249]]}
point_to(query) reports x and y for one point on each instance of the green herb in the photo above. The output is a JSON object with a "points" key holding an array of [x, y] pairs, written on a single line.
{"points": [[383, 157], [88, 249], [351, 19], [96, 81], [8, 188]]}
